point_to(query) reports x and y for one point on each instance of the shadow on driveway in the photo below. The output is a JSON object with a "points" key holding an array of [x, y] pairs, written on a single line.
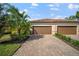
{"points": [[35, 37]]}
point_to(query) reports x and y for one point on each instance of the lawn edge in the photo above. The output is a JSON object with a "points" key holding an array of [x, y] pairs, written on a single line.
{"points": [[16, 50]]}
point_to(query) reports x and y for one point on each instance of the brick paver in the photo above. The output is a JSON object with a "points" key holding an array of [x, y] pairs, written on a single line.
{"points": [[46, 45]]}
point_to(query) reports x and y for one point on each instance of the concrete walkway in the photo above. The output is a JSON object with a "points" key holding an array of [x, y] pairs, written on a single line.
{"points": [[45, 45]]}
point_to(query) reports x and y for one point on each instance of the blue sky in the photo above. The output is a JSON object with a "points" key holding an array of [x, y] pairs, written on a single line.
{"points": [[48, 10]]}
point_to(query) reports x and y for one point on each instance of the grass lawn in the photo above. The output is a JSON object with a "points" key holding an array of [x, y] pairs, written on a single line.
{"points": [[8, 49], [7, 46]]}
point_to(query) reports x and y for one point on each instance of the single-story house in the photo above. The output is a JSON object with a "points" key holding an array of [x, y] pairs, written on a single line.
{"points": [[52, 26]]}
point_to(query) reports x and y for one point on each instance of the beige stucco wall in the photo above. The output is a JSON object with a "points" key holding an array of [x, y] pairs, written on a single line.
{"points": [[78, 29], [54, 29], [54, 25]]}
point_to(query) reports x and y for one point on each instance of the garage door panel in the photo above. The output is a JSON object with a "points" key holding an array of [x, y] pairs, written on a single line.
{"points": [[42, 29], [66, 29]]}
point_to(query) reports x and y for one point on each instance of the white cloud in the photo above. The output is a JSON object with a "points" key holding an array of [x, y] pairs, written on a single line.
{"points": [[65, 16], [21, 11], [58, 17], [56, 9], [34, 4], [73, 6], [53, 5], [32, 7], [50, 5], [25, 10]]}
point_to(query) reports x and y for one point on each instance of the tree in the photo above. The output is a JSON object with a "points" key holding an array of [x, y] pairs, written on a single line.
{"points": [[3, 14], [18, 22], [71, 17], [25, 25], [77, 15]]}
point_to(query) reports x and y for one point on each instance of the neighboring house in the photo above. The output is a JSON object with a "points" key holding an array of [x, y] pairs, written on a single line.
{"points": [[52, 26]]}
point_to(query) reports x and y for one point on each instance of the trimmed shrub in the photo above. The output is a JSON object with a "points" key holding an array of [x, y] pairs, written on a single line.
{"points": [[68, 39], [75, 42]]}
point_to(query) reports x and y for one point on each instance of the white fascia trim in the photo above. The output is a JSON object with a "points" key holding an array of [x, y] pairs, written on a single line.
{"points": [[41, 25]]}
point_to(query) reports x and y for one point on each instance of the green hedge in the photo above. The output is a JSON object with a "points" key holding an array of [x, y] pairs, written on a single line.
{"points": [[68, 39]]}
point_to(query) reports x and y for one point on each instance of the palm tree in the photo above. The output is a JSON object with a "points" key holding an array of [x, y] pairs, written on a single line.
{"points": [[18, 21], [71, 17], [25, 24]]}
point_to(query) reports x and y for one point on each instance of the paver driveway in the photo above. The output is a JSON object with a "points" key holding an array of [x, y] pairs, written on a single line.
{"points": [[45, 45]]}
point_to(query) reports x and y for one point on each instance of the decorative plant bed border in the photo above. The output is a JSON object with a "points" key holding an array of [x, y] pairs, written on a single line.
{"points": [[68, 40]]}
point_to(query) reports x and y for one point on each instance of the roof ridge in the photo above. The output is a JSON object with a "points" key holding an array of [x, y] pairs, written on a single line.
{"points": [[47, 19], [53, 21]]}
